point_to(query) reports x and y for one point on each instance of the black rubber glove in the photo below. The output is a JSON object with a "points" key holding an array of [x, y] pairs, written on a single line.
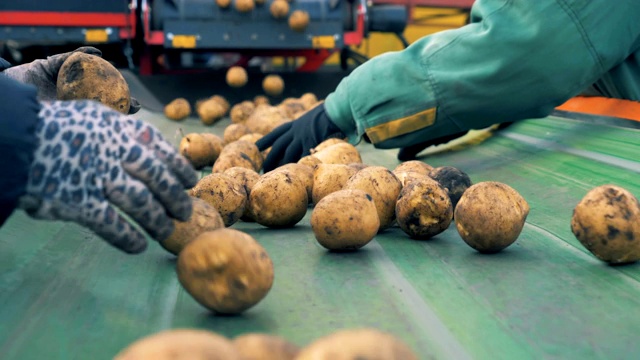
{"points": [[293, 140], [43, 74]]}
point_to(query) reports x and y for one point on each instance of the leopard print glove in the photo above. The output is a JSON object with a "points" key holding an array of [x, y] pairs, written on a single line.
{"points": [[93, 165]]}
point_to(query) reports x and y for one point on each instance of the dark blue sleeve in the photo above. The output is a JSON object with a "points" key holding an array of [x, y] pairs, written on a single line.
{"points": [[19, 109]]}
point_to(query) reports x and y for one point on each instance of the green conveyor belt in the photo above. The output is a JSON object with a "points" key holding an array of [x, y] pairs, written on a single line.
{"points": [[65, 294]]}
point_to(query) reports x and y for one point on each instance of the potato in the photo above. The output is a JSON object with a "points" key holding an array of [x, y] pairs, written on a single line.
{"points": [[606, 221], [234, 132], [225, 270], [216, 144], [273, 84], [252, 137], [329, 178], [204, 217], [357, 166], [279, 9], [222, 101], [424, 209], [310, 161], [247, 178], [299, 20], [198, 149], [490, 216], [237, 75], [223, 3], [383, 186], [302, 172], [413, 166], [352, 344], [181, 344], [210, 111], [345, 220], [454, 180], [223, 193], [407, 177], [244, 5], [178, 109], [261, 100], [239, 153], [85, 76], [265, 118], [240, 112], [293, 108], [254, 346], [278, 200], [326, 143], [309, 100], [342, 153]]}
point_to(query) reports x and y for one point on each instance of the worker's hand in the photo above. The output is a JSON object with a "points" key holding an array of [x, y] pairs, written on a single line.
{"points": [[293, 140], [43, 74], [92, 159]]}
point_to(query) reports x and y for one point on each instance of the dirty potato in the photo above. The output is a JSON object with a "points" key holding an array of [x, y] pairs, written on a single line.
{"points": [[210, 111], [239, 153], [85, 76], [225, 270], [341, 153], [302, 172], [326, 143], [329, 178], [345, 220], [265, 118], [234, 132], [178, 109], [407, 177], [606, 221], [453, 179], [193, 344], [413, 166], [383, 186], [248, 179], [278, 200], [310, 161], [198, 149], [255, 346], [204, 217], [490, 216], [240, 112], [359, 343], [423, 209], [223, 193]]}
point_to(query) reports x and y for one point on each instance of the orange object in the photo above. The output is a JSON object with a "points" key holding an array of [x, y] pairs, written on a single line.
{"points": [[595, 105]]}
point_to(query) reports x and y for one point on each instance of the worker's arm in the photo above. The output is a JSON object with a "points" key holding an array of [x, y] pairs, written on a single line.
{"points": [[18, 118], [516, 60]]}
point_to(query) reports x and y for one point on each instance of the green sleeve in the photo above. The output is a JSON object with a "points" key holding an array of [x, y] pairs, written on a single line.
{"points": [[515, 60]]}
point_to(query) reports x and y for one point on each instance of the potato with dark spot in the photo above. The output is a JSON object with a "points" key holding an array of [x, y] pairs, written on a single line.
{"points": [[329, 178], [345, 220], [237, 75], [85, 76], [234, 132], [413, 166], [310, 161], [341, 153], [248, 179], [490, 216], [606, 221], [302, 172], [357, 344], [423, 209], [383, 186], [454, 180], [407, 177], [254, 346], [178, 344], [273, 84], [198, 149], [178, 109], [240, 112], [278, 200], [225, 270], [238, 153], [204, 217], [224, 193]]}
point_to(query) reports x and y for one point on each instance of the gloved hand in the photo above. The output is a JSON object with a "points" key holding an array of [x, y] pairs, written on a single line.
{"points": [[293, 140], [43, 74], [92, 159]]}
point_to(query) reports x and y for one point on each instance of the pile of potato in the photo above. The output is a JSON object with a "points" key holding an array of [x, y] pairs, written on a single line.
{"points": [[346, 344]]}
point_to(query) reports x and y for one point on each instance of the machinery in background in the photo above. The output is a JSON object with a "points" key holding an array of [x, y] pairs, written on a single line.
{"points": [[165, 35]]}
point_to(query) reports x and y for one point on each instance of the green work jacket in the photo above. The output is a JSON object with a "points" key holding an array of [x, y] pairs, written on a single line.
{"points": [[516, 59]]}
